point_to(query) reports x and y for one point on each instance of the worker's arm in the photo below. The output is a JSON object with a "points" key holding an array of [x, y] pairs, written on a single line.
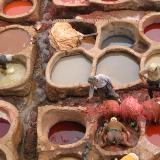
{"points": [[125, 130], [142, 75], [91, 92]]}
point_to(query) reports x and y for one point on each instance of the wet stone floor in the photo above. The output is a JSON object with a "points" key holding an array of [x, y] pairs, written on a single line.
{"points": [[28, 105]]}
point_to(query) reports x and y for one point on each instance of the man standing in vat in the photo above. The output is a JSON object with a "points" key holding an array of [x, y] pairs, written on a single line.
{"points": [[151, 73], [104, 87], [4, 59], [116, 133]]}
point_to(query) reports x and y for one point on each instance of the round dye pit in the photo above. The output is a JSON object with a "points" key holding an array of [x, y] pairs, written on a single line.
{"points": [[153, 134], [120, 40], [88, 42], [153, 32], [66, 132], [120, 67], [8, 79], [17, 7], [2, 155], [72, 70], [13, 41], [155, 58], [4, 127]]}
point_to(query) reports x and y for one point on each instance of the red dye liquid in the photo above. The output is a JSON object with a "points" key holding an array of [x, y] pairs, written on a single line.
{"points": [[153, 134], [17, 7], [4, 127], [153, 32], [66, 132]]}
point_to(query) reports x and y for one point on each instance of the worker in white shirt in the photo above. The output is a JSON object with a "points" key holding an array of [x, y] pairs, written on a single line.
{"points": [[104, 87], [151, 74]]}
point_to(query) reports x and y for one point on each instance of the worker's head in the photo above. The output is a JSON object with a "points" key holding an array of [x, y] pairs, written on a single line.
{"points": [[152, 67], [134, 156], [92, 80], [113, 119], [9, 57]]}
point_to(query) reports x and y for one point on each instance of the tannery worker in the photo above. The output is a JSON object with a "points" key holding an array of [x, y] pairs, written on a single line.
{"points": [[151, 73], [4, 59], [104, 87], [115, 133]]}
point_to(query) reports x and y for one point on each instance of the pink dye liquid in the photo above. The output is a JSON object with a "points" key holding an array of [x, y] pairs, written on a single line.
{"points": [[66, 132], [153, 134], [4, 127], [153, 32]]}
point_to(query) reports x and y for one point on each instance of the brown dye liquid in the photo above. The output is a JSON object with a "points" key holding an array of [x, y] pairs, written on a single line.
{"points": [[120, 67], [153, 59], [4, 127], [66, 132], [153, 32], [88, 42], [7, 79], [72, 70], [153, 134], [13, 41]]}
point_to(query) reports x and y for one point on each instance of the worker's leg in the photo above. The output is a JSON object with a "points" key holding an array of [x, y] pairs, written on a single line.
{"points": [[110, 137], [110, 92], [125, 140], [150, 88], [101, 94], [118, 137]]}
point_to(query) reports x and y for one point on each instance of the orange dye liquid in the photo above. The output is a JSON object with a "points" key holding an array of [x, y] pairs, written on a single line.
{"points": [[17, 7]]}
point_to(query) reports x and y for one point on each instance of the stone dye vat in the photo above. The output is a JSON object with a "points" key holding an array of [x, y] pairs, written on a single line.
{"points": [[150, 28], [18, 7], [86, 28], [19, 10], [69, 76], [118, 34], [54, 119], [23, 50], [117, 71], [118, 150], [77, 64], [10, 129], [152, 56]]}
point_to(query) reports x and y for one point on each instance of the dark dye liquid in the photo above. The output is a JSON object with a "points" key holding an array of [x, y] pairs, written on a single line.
{"points": [[4, 127], [66, 132], [120, 40], [153, 32], [153, 134], [88, 42]]}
